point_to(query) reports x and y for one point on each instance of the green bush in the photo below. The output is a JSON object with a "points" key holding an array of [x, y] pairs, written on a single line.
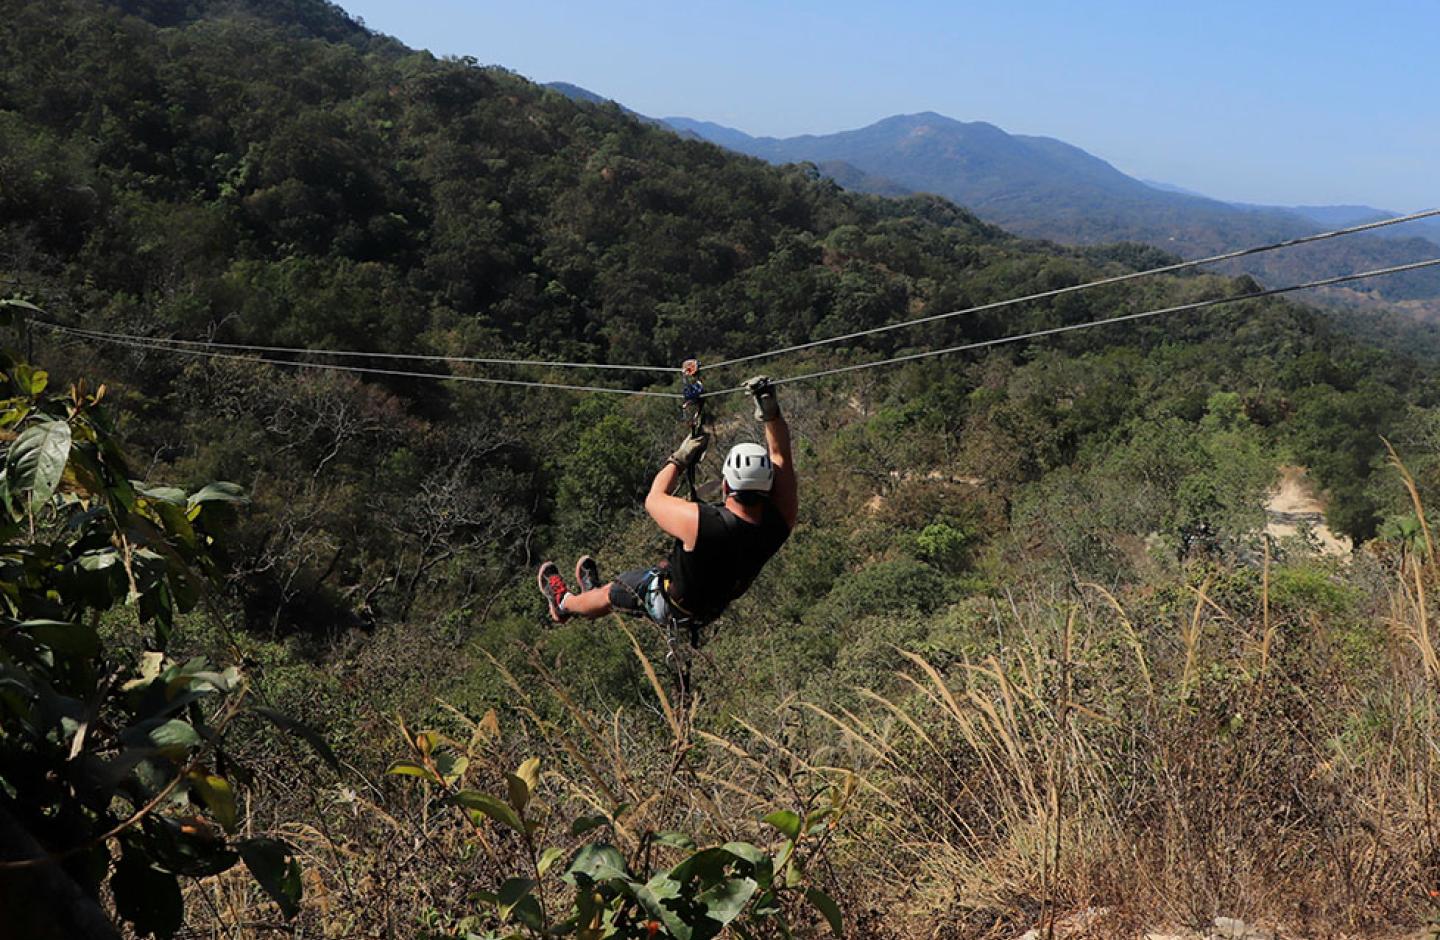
{"points": [[880, 588], [601, 894], [945, 546], [113, 768], [1314, 590], [603, 474]]}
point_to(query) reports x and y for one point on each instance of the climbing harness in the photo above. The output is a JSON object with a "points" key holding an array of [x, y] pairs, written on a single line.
{"points": [[681, 631]]}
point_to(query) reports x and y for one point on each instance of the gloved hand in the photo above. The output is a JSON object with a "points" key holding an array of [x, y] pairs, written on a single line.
{"points": [[690, 450], [767, 406]]}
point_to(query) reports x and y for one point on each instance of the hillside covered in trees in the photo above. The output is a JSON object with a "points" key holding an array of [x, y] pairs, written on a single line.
{"points": [[1026, 653]]}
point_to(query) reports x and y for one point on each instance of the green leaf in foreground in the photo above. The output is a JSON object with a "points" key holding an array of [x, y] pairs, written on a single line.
{"points": [[273, 864], [597, 862], [218, 796], [71, 639], [512, 892], [548, 858], [408, 768], [8, 308], [653, 897], [172, 736], [302, 731], [585, 824], [724, 902], [32, 381], [37, 461], [826, 905], [787, 822], [675, 840], [490, 806], [219, 493]]}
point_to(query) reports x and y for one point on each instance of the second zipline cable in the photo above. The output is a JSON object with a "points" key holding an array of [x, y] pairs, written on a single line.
{"points": [[135, 342], [198, 349], [183, 344], [141, 342], [1090, 324], [1087, 285]]}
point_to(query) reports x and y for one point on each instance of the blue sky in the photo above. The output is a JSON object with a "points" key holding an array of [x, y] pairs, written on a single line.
{"points": [[1271, 101]]}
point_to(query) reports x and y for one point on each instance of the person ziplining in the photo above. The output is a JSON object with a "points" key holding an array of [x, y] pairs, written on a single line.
{"points": [[718, 550]]}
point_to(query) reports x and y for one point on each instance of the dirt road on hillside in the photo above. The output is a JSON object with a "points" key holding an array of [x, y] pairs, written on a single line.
{"points": [[1293, 506]]}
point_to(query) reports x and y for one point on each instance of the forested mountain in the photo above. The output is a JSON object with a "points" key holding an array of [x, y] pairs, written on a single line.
{"points": [[1046, 188], [845, 174], [999, 601], [301, 19]]}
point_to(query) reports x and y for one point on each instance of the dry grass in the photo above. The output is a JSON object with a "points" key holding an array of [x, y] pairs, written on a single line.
{"points": [[1236, 767], [1117, 764]]}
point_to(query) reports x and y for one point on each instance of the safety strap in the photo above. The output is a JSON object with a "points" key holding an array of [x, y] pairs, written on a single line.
{"points": [[692, 408], [690, 484]]}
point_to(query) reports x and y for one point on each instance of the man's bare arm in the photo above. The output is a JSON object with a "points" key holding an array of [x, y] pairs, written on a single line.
{"points": [[677, 517], [784, 492]]}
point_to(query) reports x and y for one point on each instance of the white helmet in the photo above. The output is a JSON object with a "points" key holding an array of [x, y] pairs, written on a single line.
{"points": [[748, 468]]}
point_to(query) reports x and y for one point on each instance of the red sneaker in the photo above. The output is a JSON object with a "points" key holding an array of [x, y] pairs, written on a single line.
{"points": [[587, 573], [554, 588]]}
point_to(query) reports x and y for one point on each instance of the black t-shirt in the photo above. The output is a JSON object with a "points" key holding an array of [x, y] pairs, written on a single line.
{"points": [[729, 552]]}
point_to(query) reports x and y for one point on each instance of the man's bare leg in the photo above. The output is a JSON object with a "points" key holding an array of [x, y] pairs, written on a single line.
{"points": [[589, 604]]}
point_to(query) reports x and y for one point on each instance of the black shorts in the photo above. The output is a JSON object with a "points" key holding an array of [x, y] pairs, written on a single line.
{"points": [[642, 593]]}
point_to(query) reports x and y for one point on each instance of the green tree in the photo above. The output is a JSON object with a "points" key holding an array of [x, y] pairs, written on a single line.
{"points": [[602, 473], [112, 762]]}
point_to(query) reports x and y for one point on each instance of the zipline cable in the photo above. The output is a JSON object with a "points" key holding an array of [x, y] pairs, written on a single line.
{"points": [[1051, 331], [1042, 295], [356, 353], [140, 342], [181, 344], [136, 342], [561, 364]]}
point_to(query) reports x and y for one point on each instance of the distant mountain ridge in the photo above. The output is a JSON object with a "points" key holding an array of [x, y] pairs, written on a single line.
{"points": [[1032, 185], [975, 163], [1046, 188], [1004, 175]]}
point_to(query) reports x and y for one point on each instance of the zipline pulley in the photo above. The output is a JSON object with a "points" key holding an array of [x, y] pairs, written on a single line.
{"points": [[692, 394], [692, 411]]}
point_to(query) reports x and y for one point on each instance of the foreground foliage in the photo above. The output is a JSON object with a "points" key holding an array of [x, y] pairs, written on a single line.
{"points": [[112, 763], [603, 894]]}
